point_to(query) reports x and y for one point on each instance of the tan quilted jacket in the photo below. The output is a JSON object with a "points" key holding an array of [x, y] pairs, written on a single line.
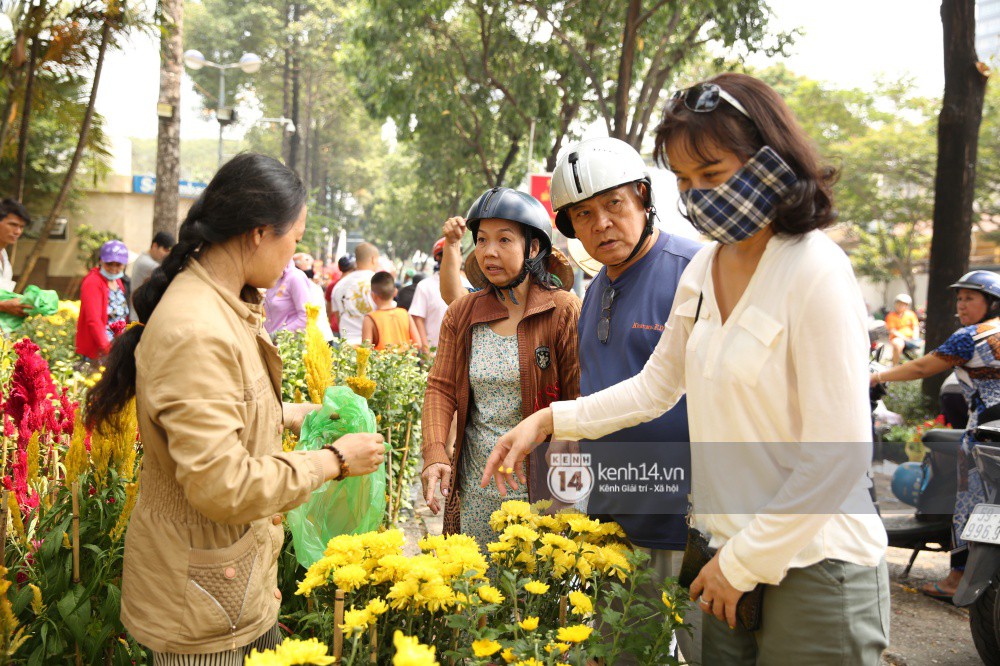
{"points": [[202, 546]]}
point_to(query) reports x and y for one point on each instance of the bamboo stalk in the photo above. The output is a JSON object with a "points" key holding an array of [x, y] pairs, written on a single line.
{"points": [[402, 467], [562, 611], [3, 528], [373, 659], [388, 442], [338, 631], [76, 532], [54, 476]]}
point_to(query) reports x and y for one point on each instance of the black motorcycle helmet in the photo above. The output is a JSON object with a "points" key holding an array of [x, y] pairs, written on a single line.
{"points": [[503, 203]]}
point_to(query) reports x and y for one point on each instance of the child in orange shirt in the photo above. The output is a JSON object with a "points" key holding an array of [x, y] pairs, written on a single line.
{"points": [[388, 325]]}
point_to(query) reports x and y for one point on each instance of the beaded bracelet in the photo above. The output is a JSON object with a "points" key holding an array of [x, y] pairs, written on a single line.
{"points": [[344, 467]]}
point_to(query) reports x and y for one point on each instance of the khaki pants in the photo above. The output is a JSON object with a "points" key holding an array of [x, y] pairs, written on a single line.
{"points": [[667, 564], [268, 641], [832, 612]]}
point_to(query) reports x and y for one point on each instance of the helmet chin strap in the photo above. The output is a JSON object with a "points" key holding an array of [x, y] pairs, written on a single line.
{"points": [[522, 276], [647, 233]]}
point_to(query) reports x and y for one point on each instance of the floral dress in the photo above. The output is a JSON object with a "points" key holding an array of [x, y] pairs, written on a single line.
{"points": [[975, 353], [117, 309], [495, 380]]}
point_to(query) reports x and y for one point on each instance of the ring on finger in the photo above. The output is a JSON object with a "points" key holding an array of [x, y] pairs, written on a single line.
{"points": [[704, 602]]}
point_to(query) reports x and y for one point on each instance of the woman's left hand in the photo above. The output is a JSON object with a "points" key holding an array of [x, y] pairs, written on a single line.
{"points": [[714, 594], [294, 413]]}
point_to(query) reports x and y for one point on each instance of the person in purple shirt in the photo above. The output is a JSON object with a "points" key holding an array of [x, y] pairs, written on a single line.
{"points": [[285, 302]]}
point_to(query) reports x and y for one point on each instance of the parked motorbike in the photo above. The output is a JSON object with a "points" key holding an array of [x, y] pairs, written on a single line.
{"points": [[980, 586], [929, 486]]}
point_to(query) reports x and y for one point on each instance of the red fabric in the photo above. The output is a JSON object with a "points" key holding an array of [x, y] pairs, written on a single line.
{"points": [[334, 319], [91, 328]]}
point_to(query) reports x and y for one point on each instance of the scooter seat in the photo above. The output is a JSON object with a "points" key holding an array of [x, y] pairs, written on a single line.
{"points": [[943, 440]]}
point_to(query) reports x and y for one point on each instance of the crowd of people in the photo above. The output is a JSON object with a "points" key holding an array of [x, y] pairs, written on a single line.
{"points": [[741, 362]]}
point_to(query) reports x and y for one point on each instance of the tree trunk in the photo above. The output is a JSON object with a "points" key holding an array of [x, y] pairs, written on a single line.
{"points": [[88, 119], [294, 139], [286, 110], [629, 37], [954, 183], [17, 60], [24, 133], [168, 136]]}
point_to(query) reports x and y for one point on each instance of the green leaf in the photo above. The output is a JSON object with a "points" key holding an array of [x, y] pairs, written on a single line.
{"points": [[74, 608]]}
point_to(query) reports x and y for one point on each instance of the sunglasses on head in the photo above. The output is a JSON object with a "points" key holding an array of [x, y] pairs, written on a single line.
{"points": [[705, 98]]}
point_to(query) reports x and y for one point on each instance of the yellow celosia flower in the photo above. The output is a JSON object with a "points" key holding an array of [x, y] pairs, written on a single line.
{"points": [[528, 623], [360, 383], [15, 516], [582, 605], [484, 647], [36, 599], [288, 441], [576, 634], [356, 620], [490, 594], [350, 577], [536, 587], [318, 357], [77, 457], [131, 493], [410, 652], [32, 455]]}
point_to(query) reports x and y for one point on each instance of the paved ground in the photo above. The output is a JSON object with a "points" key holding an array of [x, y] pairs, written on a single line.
{"points": [[924, 631]]}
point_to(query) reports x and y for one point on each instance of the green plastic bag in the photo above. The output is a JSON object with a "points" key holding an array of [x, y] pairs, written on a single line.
{"points": [[352, 506], [42, 301]]}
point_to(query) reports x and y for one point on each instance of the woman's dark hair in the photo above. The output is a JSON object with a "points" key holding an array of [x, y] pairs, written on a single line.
{"points": [[249, 192], [809, 205]]}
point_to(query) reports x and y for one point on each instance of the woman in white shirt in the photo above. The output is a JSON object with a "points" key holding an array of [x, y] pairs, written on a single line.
{"points": [[767, 337]]}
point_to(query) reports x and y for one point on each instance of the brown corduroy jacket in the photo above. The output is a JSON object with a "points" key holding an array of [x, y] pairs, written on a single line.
{"points": [[550, 370]]}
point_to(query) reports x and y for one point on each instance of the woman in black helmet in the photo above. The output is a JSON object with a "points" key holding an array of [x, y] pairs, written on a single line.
{"points": [[504, 352], [973, 351]]}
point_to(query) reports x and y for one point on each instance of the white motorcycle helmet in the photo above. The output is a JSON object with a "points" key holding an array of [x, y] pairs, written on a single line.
{"points": [[593, 167]]}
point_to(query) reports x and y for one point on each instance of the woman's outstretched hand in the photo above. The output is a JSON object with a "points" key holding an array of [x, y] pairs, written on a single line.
{"points": [[511, 450]]}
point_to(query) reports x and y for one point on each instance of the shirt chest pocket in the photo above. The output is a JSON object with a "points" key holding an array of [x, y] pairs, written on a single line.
{"points": [[751, 344]]}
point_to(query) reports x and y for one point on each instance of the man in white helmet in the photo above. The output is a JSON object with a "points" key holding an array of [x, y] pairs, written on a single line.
{"points": [[602, 195]]}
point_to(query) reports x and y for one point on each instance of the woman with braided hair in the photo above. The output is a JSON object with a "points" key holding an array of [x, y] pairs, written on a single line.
{"points": [[504, 352], [202, 546]]}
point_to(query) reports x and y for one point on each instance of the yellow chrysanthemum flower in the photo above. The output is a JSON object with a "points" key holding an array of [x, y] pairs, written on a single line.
{"points": [[575, 634], [484, 647], [508, 655], [292, 652], [563, 648], [667, 601], [377, 607], [528, 623], [350, 577], [582, 605], [536, 587], [356, 620], [490, 594], [410, 652], [530, 661]]}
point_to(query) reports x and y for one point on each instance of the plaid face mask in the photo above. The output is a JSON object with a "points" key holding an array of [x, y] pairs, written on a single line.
{"points": [[743, 205]]}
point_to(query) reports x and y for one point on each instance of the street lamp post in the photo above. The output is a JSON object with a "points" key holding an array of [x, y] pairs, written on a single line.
{"points": [[249, 63]]}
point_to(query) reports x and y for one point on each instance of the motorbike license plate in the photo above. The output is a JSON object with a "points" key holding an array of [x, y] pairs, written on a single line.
{"points": [[983, 525]]}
